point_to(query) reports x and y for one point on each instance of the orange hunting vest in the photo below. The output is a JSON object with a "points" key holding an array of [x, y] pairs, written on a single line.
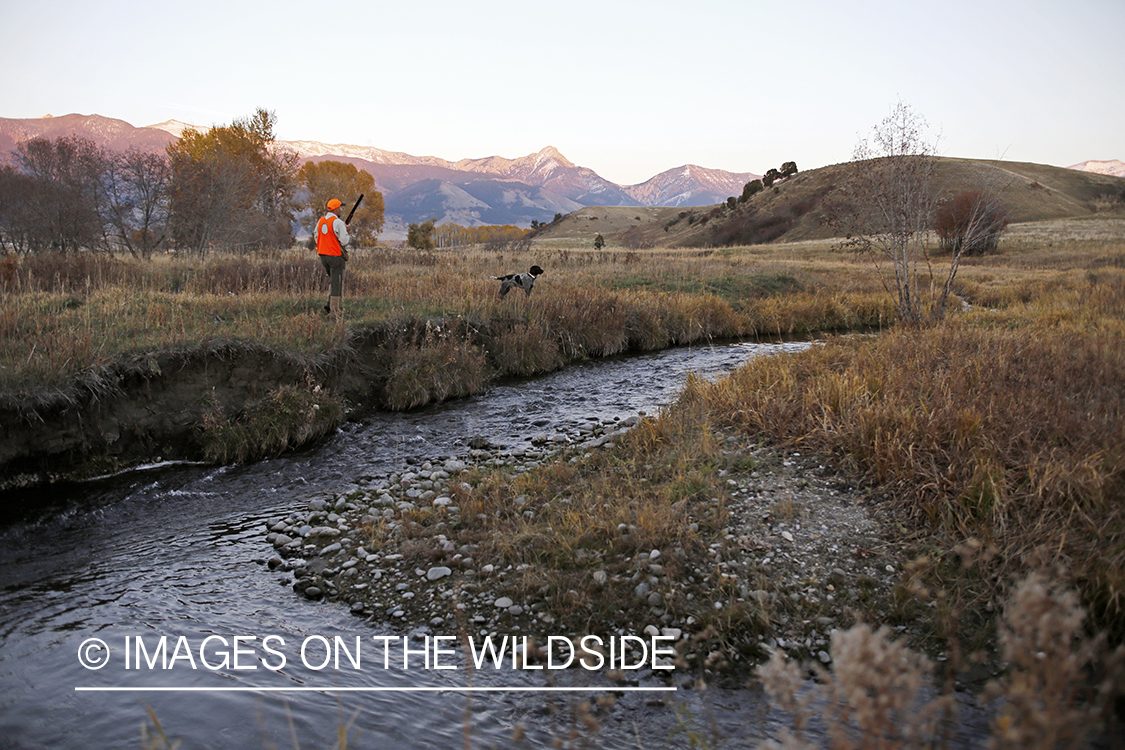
{"points": [[326, 241]]}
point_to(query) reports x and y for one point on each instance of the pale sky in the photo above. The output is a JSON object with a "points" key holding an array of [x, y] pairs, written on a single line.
{"points": [[629, 88]]}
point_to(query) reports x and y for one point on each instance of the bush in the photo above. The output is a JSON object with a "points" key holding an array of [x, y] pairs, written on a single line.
{"points": [[970, 223]]}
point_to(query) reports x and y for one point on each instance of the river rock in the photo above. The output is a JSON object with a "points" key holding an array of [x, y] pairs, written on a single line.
{"points": [[436, 572]]}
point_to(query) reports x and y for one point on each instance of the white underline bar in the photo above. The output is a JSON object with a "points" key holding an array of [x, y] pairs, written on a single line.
{"points": [[371, 689]]}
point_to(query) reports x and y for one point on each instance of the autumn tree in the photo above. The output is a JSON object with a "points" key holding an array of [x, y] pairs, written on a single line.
{"points": [[59, 207], [333, 179], [494, 235], [420, 236], [232, 187]]}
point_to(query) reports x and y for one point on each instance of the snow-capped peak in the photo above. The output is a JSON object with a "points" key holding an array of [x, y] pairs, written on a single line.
{"points": [[1114, 167], [175, 127]]}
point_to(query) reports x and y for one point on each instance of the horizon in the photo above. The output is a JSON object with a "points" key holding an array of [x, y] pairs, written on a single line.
{"points": [[629, 91]]}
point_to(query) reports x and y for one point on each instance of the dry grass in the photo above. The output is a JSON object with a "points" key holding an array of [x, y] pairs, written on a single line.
{"points": [[1001, 435], [1006, 425], [65, 314], [560, 525], [880, 694]]}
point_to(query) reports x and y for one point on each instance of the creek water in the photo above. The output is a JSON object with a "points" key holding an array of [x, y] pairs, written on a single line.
{"points": [[178, 551]]}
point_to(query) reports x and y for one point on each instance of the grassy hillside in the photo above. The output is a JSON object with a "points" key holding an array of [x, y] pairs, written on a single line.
{"points": [[797, 208], [580, 227]]}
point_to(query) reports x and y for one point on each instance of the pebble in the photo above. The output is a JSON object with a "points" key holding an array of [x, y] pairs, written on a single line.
{"points": [[437, 572]]}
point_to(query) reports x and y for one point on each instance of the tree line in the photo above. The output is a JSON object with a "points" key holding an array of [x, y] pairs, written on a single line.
{"points": [[229, 187], [428, 235]]}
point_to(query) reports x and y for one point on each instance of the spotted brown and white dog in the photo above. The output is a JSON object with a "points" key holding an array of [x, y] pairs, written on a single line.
{"points": [[524, 281]]}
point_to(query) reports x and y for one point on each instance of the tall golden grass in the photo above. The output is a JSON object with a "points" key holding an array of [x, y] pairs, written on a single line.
{"points": [[1006, 426], [66, 313]]}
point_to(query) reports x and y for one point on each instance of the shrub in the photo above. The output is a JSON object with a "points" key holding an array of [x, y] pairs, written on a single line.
{"points": [[441, 367], [970, 223], [288, 418]]}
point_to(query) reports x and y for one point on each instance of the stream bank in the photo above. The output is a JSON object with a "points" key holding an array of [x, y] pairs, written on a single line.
{"points": [[227, 402]]}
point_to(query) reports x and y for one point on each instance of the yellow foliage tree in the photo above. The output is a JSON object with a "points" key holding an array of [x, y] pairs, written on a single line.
{"points": [[230, 187], [334, 179]]}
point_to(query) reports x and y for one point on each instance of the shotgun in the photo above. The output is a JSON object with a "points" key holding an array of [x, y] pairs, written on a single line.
{"points": [[352, 212]]}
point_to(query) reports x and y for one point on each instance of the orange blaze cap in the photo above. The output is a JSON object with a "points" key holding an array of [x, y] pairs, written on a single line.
{"points": [[334, 204]]}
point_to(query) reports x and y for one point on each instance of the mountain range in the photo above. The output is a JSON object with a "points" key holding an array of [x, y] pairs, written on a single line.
{"points": [[470, 192]]}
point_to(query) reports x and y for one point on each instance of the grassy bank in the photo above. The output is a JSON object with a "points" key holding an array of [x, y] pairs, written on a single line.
{"points": [[420, 328], [63, 314]]}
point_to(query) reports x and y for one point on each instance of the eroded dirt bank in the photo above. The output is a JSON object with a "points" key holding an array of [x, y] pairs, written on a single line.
{"points": [[152, 407]]}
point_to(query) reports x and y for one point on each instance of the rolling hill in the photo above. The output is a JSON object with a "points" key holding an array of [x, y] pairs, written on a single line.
{"points": [[797, 208]]}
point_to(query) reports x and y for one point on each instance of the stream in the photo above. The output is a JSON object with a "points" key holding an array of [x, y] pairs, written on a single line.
{"points": [[178, 552]]}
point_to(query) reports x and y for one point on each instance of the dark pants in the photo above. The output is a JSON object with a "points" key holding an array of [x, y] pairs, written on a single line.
{"points": [[334, 267]]}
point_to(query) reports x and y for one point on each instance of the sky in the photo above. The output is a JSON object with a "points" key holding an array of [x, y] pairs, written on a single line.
{"points": [[628, 88]]}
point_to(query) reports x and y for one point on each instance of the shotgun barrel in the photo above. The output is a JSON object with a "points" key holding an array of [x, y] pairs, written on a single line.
{"points": [[352, 212]]}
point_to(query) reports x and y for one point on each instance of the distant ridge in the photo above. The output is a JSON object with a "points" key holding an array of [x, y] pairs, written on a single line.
{"points": [[1116, 167], [105, 131], [488, 190]]}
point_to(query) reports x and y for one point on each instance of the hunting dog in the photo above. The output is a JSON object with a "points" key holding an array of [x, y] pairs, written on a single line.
{"points": [[524, 281]]}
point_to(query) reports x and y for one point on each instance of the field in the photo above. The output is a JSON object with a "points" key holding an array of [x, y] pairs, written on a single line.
{"points": [[997, 437]]}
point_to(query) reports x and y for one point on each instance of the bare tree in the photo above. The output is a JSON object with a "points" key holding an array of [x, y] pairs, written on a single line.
{"points": [[887, 204], [136, 201], [17, 219], [63, 193]]}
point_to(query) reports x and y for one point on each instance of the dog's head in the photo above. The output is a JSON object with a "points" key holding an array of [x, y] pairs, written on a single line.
{"points": [[535, 270]]}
